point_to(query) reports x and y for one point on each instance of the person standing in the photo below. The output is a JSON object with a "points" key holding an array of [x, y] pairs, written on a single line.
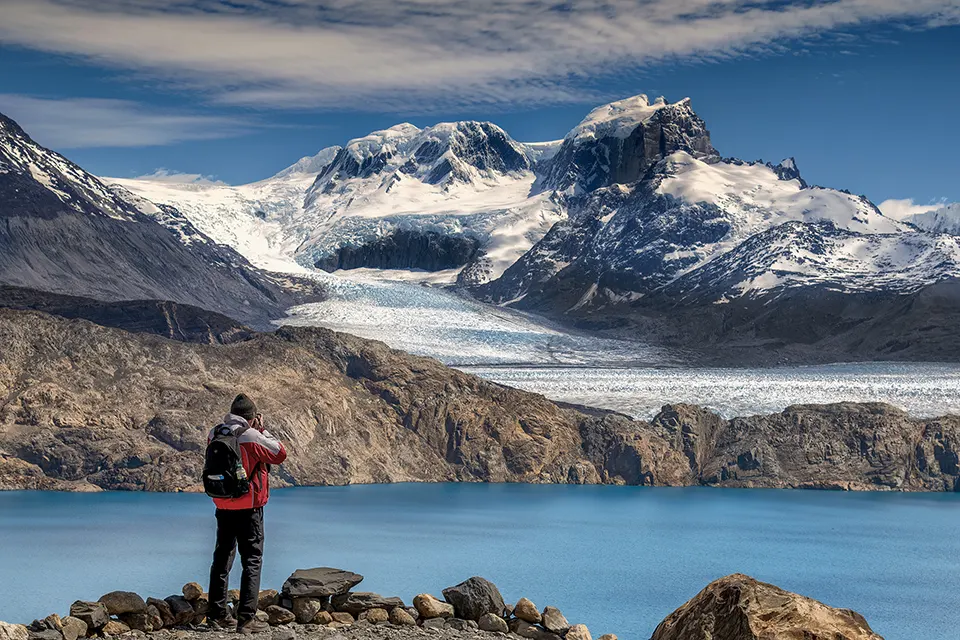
{"points": [[239, 499]]}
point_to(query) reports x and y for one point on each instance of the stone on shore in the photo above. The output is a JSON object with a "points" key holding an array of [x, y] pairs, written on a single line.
{"points": [[493, 622], [284, 633], [608, 636], [526, 630], [402, 618], [268, 597], [306, 609], [580, 632], [429, 607], [94, 614], [163, 610], [320, 582], [136, 621], [434, 623], [553, 620], [460, 624], [54, 622], [356, 602], [474, 597], [342, 617], [73, 628], [118, 602], [322, 617], [192, 591], [526, 610], [114, 628], [200, 607], [181, 609], [738, 607], [278, 615], [13, 631], [44, 634], [373, 616]]}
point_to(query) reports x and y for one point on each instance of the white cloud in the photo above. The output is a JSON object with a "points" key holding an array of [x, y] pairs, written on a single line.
{"points": [[166, 176], [425, 54], [89, 122], [904, 209]]}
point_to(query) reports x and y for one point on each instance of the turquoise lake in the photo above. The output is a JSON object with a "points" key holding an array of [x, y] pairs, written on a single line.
{"points": [[616, 558]]}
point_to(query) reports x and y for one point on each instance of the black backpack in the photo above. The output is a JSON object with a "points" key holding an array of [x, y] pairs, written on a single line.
{"points": [[223, 472]]}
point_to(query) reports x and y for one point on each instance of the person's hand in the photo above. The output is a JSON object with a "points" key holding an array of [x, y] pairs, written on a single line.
{"points": [[258, 423]]}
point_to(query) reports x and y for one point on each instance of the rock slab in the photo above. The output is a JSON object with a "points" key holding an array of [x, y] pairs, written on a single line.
{"points": [[738, 607], [554, 620], [320, 582], [357, 602], [474, 597], [13, 631], [94, 614]]}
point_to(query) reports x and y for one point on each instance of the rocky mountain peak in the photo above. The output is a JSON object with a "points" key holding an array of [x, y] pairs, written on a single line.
{"points": [[311, 164], [619, 142]]}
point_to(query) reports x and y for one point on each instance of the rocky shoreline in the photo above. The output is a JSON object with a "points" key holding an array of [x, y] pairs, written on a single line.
{"points": [[319, 604], [88, 408]]}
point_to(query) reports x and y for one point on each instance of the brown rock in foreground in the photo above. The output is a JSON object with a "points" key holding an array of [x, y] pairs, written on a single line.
{"points": [[738, 607]]}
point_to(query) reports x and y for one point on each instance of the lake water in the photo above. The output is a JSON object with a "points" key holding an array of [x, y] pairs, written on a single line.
{"points": [[616, 558]]}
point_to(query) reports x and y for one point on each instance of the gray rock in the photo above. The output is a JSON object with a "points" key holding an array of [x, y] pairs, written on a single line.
{"points": [[342, 617], [137, 621], [181, 609], [357, 602], [434, 623], [458, 624], [279, 615], [73, 628], [493, 622], [94, 614], [200, 606], [524, 629], [473, 598], [320, 582], [163, 609], [118, 602], [45, 634], [115, 628], [306, 609], [13, 631], [553, 620], [284, 633]]}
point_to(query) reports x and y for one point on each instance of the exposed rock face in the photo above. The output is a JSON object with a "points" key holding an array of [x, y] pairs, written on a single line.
{"points": [[405, 249], [355, 411], [473, 598], [738, 607], [167, 319], [66, 232], [320, 582]]}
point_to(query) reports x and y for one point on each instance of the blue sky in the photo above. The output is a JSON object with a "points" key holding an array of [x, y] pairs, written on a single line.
{"points": [[864, 93]]}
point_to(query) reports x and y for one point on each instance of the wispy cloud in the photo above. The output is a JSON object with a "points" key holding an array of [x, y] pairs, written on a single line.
{"points": [[175, 177], [425, 54], [88, 122], [904, 209]]}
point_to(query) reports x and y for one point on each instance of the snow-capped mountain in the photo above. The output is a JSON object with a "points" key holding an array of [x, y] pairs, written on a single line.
{"points": [[633, 204], [450, 201], [65, 231], [668, 219]]}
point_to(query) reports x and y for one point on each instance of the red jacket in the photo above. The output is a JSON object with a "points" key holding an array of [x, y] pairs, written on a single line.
{"points": [[258, 449]]}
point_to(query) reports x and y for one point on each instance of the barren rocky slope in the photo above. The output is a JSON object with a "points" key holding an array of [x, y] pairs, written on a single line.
{"points": [[85, 407]]}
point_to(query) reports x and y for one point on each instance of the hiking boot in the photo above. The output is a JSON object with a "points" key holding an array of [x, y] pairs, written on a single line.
{"points": [[253, 626], [226, 622]]}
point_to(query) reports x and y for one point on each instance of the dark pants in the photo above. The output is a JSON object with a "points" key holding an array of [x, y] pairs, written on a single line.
{"points": [[241, 529]]}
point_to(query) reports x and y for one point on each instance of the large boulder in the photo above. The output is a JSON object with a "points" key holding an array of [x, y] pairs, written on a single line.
{"points": [[474, 597], [554, 620], [13, 631], [357, 602], [94, 614], [429, 607], [320, 582], [738, 607], [181, 609], [119, 602]]}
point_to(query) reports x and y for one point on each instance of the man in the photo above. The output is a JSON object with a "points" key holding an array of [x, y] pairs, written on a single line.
{"points": [[240, 520]]}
